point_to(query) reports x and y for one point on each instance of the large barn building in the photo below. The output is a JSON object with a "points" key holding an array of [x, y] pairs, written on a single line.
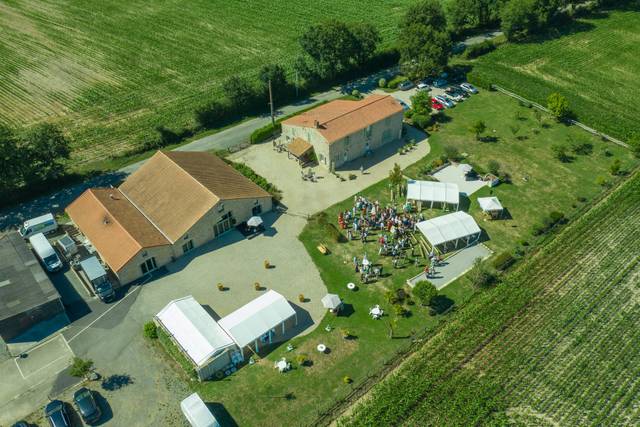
{"points": [[342, 130], [175, 202]]}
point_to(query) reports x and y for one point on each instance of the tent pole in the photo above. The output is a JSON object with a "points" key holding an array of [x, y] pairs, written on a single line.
{"points": [[256, 343]]}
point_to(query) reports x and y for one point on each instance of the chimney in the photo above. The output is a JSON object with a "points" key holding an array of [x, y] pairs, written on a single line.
{"points": [[316, 124], [105, 220]]}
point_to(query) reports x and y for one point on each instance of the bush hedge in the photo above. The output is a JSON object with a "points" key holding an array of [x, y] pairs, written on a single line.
{"points": [[503, 261], [479, 49], [265, 132], [394, 82], [479, 80]]}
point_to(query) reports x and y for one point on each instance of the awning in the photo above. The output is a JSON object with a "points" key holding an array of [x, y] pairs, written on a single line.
{"points": [[448, 228], [431, 191], [299, 147], [331, 301], [490, 204]]}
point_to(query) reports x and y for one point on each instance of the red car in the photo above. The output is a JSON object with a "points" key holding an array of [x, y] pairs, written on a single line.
{"points": [[436, 105]]}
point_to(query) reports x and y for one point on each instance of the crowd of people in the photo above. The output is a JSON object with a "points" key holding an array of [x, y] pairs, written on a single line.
{"points": [[393, 230]]}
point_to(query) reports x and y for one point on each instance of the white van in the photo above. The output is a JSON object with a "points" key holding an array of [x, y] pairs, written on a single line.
{"points": [[42, 224], [197, 413], [45, 252]]}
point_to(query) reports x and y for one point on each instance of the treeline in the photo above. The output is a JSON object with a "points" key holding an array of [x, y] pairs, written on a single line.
{"points": [[32, 158]]}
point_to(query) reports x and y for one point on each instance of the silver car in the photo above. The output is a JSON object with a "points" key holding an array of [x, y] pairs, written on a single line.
{"points": [[445, 101]]}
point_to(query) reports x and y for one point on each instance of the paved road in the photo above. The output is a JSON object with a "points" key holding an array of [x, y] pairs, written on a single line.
{"points": [[56, 202]]}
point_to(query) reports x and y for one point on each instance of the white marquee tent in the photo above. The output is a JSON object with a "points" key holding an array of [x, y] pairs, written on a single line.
{"points": [[433, 192], [490, 205], [256, 318], [199, 336], [450, 229]]}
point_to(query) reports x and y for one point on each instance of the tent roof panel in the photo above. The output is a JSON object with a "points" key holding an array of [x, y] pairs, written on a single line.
{"points": [[194, 329], [449, 227], [489, 204], [441, 192]]}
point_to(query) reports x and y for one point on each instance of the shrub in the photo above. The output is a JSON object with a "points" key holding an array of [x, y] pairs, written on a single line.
{"points": [[265, 132], [452, 153], [582, 148], [425, 292], [355, 93], [479, 49], [347, 379], [494, 167], [267, 264], [302, 359], [394, 82], [602, 181], [382, 82], [257, 286], [409, 113], [559, 106], [352, 176], [346, 334], [479, 80], [634, 144], [301, 298], [480, 276], [399, 310], [503, 261], [220, 287], [615, 167], [421, 121], [150, 330], [80, 367], [560, 153]]}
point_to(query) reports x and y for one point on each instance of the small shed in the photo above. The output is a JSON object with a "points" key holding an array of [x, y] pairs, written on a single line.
{"points": [[197, 413], [443, 193], [491, 206], [445, 232], [332, 302]]}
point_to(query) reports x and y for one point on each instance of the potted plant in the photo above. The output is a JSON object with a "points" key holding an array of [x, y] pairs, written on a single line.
{"points": [[257, 286], [266, 264], [347, 379], [220, 287], [301, 298]]}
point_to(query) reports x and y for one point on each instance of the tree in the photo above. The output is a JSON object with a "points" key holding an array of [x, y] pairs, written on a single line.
{"points": [[615, 167], [10, 169], [367, 38], [463, 14], [425, 292], [421, 103], [277, 75], [518, 19], [560, 153], [396, 178], [558, 105], [150, 330], [45, 149], [478, 129], [331, 45], [80, 367], [480, 276], [239, 92], [451, 152], [424, 43]]}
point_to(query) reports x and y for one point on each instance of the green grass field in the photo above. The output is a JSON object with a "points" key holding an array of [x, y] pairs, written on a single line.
{"points": [[110, 71], [594, 63], [554, 344], [526, 154]]}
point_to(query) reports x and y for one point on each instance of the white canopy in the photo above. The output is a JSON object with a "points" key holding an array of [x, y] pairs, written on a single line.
{"points": [[431, 191], [252, 320], [194, 329], [448, 228], [331, 301], [197, 413], [489, 204], [254, 221]]}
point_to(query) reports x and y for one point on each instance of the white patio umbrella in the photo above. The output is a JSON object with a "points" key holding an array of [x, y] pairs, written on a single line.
{"points": [[331, 301], [254, 221]]}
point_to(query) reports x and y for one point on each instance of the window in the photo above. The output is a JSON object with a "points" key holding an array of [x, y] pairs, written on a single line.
{"points": [[149, 265], [186, 236], [256, 202], [257, 210], [367, 132], [347, 139], [187, 246]]}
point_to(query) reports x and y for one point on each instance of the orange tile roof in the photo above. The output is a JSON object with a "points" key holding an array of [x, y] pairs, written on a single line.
{"points": [[175, 189], [341, 118], [113, 225]]}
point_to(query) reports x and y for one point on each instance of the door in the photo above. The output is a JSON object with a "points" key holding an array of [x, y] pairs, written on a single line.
{"points": [[149, 265]]}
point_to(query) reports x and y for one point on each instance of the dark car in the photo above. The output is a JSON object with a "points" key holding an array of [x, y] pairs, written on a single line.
{"points": [[87, 406], [56, 413], [105, 291]]}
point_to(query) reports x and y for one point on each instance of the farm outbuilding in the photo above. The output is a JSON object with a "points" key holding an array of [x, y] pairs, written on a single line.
{"points": [[447, 232], [262, 320], [432, 192], [198, 336], [491, 206]]}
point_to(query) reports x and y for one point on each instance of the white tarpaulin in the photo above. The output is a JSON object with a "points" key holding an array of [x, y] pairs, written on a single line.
{"points": [[489, 204], [448, 228], [431, 191], [197, 413], [194, 329], [256, 318]]}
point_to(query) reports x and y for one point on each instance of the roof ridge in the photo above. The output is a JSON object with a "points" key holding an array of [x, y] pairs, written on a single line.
{"points": [[91, 191], [364, 104]]}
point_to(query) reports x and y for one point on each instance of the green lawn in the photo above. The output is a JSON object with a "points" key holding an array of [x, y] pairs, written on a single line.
{"points": [[111, 71], [316, 387], [550, 185], [594, 63]]}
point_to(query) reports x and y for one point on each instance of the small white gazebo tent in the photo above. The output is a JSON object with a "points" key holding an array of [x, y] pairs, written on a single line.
{"points": [[445, 232], [491, 206], [332, 302], [431, 192]]}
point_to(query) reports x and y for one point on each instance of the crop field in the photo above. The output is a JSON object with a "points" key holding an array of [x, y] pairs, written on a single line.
{"points": [[111, 71], [556, 343], [594, 63]]}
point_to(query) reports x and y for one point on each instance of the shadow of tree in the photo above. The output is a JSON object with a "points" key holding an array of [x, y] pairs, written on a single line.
{"points": [[116, 382]]}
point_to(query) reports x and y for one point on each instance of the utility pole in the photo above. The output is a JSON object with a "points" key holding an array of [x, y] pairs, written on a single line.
{"points": [[273, 118]]}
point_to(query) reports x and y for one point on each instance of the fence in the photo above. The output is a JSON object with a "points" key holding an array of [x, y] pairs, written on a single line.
{"points": [[570, 121]]}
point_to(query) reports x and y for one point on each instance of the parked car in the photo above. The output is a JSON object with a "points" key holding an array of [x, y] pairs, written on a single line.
{"points": [[56, 413], [405, 85], [453, 94], [439, 83], [453, 98], [436, 105], [422, 85], [444, 101], [87, 406], [42, 224], [45, 252], [468, 87]]}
